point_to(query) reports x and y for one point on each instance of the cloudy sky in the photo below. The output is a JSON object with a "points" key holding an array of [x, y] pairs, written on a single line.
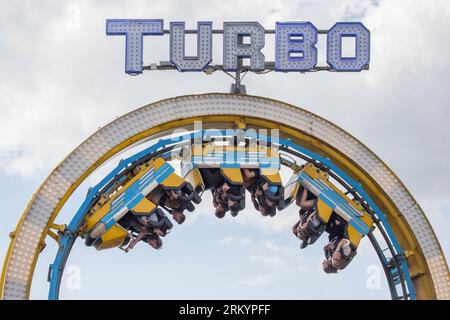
{"points": [[61, 78]]}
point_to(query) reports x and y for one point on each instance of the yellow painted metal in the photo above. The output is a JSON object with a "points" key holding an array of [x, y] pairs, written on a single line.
{"points": [[103, 206], [97, 215], [195, 178], [272, 175], [58, 227], [366, 218], [11, 244], [53, 235], [354, 236], [173, 181], [316, 173], [423, 284], [323, 210], [233, 175], [114, 237], [144, 207], [240, 124]]}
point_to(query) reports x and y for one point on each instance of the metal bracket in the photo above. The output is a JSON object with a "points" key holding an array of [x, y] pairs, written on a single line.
{"points": [[58, 227]]}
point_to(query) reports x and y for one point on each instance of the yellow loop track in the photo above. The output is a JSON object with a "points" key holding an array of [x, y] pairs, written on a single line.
{"points": [[426, 261]]}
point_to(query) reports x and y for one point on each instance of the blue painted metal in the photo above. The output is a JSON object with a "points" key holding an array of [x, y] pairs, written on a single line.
{"points": [[305, 45], [134, 31], [332, 199], [133, 195], [68, 238], [233, 159], [180, 65], [360, 190], [361, 35]]}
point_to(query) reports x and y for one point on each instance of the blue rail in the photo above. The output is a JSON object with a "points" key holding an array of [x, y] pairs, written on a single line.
{"points": [[68, 238]]}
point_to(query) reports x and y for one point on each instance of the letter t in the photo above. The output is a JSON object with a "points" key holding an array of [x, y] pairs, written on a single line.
{"points": [[134, 30]]}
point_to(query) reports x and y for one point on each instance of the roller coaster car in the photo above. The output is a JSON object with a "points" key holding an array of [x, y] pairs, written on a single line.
{"points": [[329, 199], [267, 195], [138, 195], [209, 166]]}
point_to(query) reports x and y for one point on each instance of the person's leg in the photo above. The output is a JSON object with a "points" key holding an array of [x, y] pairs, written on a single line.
{"points": [[344, 244], [313, 220], [295, 228], [231, 203], [172, 195], [215, 198], [158, 232], [328, 267], [304, 203], [133, 242], [303, 222], [225, 187], [329, 249], [217, 194], [155, 243]]}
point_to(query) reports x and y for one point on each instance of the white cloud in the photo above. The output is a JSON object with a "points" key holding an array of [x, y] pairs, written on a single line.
{"points": [[270, 261], [260, 281], [244, 241]]}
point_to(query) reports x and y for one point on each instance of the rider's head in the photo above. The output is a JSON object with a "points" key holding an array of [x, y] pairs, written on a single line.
{"points": [[263, 210], [328, 267], [270, 195], [178, 216], [340, 258], [155, 243], [234, 207], [303, 233], [337, 262], [220, 211]]}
